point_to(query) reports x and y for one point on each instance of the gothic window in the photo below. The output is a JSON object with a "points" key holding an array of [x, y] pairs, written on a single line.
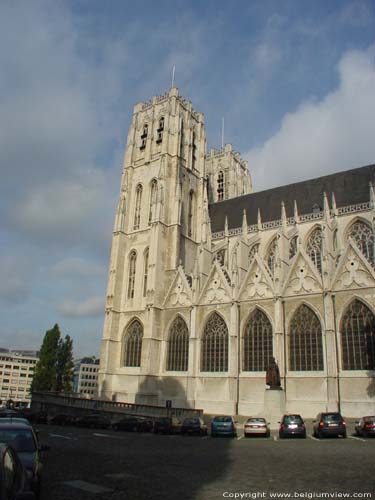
{"points": [[194, 151], [220, 186], [133, 344], [153, 200], [271, 256], [144, 136], [145, 273], [178, 346], [214, 356], [314, 248], [182, 139], [131, 277], [160, 131], [137, 211], [257, 343], [363, 236], [358, 337], [293, 247], [305, 341], [253, 251], [190, 213], [220, 256]]}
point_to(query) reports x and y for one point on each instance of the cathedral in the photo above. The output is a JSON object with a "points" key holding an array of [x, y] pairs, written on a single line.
{"points": [[208, 280]]}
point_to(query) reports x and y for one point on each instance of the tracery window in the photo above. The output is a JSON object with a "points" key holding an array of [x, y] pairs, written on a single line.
{"points": [[358, 337], [214, 355], [190, 213], [305, 341], [363, 236], [293, 247], [131, 276], [145, 273], [160, 131], [144, 136], [153, 200], [253, 251], [314, 248], [220, 186], [220, 256], [178, 346], [137, 211], [271, 256], [133, 344], [257, 342]]}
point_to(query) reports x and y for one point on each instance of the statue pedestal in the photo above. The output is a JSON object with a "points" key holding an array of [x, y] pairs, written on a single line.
{"points": [[274, 406]]}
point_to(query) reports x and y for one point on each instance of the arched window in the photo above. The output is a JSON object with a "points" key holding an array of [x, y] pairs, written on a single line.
{"points": [[145, 273], [257, 343], [131, 278], [305, 341], [191, 213], [193, 151], [293, 247], [363, 236], [153, 200], [144, 136], [253, 251], [214, 356], [133, 344], [271, 256], [314, 248], [358, 337], [220, 186], [178, 346], [137, 211], [160, 131]]}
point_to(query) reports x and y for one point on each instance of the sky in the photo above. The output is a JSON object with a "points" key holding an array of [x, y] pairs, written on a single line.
{"points": [[293, 79]]}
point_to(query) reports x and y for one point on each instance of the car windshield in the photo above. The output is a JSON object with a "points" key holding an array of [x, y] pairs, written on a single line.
{"points": [[332, 417], [369, 419], [223, 419], [19, 439], [293, 419]]}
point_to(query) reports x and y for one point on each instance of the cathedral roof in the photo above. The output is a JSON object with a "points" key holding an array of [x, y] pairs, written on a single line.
{"points": [[349, 187]]}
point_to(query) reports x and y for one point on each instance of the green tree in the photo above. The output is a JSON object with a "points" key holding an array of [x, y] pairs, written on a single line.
{"points": [[65, 365]]}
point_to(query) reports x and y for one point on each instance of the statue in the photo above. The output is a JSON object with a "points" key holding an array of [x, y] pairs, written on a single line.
{"points": [[273, 375]]}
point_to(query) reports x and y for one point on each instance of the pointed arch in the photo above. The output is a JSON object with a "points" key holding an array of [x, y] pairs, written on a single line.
{"points": [[144, 136], [252, 252], [305, 341], [314, 247], [131, 273], [133, 344], [214, 348], [357, 331], [137, 208], [153, 200], [362, 234], [220, 186], [190, 221], [271, 255], [257, 342], [178, 346], [293, 243], [145, 271]]}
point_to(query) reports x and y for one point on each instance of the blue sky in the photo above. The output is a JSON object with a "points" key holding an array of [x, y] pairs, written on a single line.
{"points": [[294, 80]]}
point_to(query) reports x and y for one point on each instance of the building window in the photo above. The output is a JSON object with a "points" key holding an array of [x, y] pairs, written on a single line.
{"points": [[145, 273], [160, 131], [314, 248], [178, 346], [182, 139], [191, 214], [133, 344], [305, 341], [293, 247], [253, 251], [257, 343], [153, 200], [194, 152], [358, 338], [271, 256], [144, 136], [214, 356], [363, 236], [220, 186], [131, 280], [137, 211]]}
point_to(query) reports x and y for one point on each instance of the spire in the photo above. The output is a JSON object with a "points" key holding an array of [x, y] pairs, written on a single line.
{"points": [[259, 220], [372, 195], [283, 215], [327, 212], [296, 216], [333, 203], [244, 223], [226, 229]]}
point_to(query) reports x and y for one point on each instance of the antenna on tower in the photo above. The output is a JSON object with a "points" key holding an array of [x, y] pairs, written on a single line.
{"points": [[222, 133], [173, 72]]}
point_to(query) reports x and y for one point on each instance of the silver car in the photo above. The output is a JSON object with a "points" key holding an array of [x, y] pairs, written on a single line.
{"points": [[256, 426]]}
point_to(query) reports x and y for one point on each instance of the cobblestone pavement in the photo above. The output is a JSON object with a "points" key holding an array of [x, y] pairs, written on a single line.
{"points": [[95, 464]]}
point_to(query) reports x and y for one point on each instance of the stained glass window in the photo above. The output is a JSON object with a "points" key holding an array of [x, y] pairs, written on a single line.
{"points": [[133, 344], [363, 237], [178, 346], [214, 356], [305, 341], [257, 342]]}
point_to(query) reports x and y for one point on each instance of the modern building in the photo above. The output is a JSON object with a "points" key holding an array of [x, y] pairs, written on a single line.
{"points": [[86, 377], [16, 374], [209, 280]]}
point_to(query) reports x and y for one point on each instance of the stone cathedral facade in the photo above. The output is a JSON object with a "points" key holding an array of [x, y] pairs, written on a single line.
{"points": [[208, 281]]}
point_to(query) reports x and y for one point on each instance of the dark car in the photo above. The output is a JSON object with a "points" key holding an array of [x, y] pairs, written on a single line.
{"points": [[365, 426], [93, 421], [14, 483], [223, 425], [62, 419], [292, 426], [193, 425], [167, 425], [23, 440], [133, 424], [329, 424]]}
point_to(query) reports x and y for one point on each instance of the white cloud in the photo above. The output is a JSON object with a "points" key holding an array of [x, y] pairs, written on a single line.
{"points": [[76, 266], [93, 306], [335, 133], [13, 288]]}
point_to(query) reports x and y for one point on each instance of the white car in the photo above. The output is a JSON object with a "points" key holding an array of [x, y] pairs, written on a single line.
{"points": [[256, 426]]}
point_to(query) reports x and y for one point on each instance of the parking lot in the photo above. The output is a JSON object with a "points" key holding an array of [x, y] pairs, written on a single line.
{"points": [[104, 464]]}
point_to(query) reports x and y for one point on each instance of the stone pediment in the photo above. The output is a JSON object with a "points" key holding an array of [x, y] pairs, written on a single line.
{"points": [[303, 277], [353, 270], [257, 282], [216, 288], [179, 293]]}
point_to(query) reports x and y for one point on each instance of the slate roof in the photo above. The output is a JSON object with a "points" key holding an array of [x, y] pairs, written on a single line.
{"points": [[349, 187]]}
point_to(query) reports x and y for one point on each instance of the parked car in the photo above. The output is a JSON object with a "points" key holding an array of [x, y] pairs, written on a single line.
{"points": [[133, 424], [329, 424], [292, 426], [15, 420], [223, 425], [167, 425], [62, 419], [14, 482], [256, 426], [24, 441], [93, 421], [365, 426], [193, 425]]}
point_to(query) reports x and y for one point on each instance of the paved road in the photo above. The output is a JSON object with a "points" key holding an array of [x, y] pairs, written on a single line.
{"points": [[93, 464]]}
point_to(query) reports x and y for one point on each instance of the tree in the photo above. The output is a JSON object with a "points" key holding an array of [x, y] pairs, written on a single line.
{"points": [[54, 370]]}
